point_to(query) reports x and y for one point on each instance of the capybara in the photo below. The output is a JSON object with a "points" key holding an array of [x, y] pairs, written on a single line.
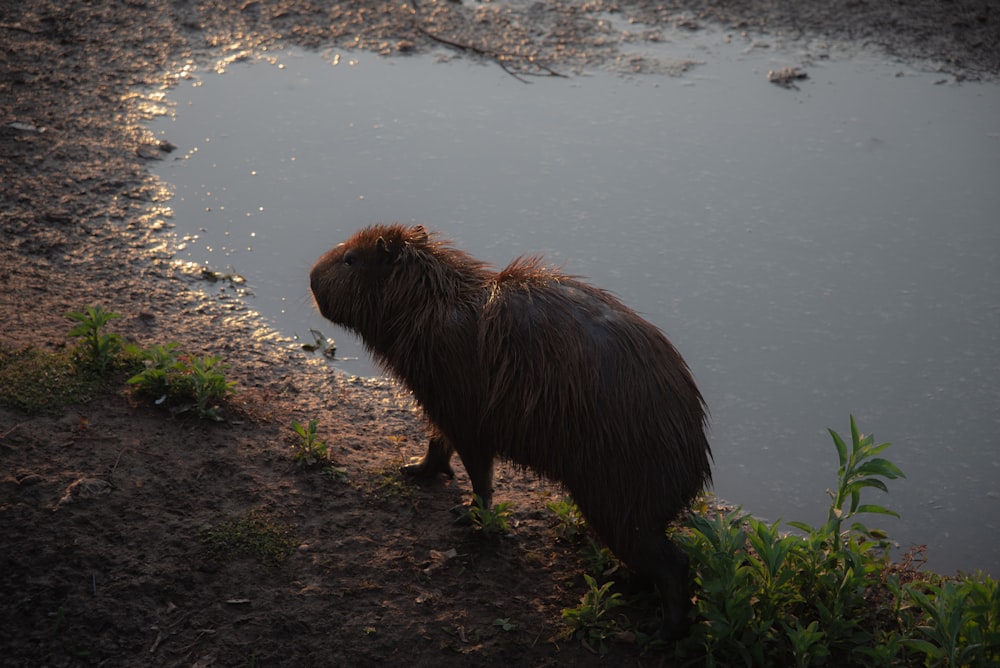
{"points": [[538, 368]]}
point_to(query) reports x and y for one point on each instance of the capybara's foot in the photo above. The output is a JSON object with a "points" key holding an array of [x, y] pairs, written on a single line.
{"points": [[436, 460], [426, 467]]}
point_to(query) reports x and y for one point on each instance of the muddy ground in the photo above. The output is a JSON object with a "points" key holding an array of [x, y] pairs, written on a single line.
{"points": [[128, 576]]}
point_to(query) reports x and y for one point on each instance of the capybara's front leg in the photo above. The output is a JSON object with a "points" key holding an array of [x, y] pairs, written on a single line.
{"points": [[479, 466], [436, 460]]}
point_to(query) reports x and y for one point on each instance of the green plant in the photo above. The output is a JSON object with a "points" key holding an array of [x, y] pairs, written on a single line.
{"points": [[599, 560], [309, 450], [959, 623], [99, 348], [338, 473], [859, 469], [38, 381], [591, 621], [505, 624], [570, 524], [208, 377], [161, 366], [770, 598], [490, 521], [806, 643], [254, 535], [184, 381], [826, 595]]}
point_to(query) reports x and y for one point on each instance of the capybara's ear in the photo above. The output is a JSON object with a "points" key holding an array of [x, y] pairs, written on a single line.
{"points": [[387, 251], [383, 250]]}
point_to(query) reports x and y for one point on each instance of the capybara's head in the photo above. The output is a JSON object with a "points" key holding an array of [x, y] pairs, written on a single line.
{"points": [[385, 274], [348, 279]]}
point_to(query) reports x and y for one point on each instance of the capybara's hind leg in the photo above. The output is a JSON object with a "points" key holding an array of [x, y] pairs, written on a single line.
{"points": [[436, 460], [668, 566], [479, 466]]}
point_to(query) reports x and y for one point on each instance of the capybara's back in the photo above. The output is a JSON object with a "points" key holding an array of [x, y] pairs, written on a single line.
{"points": [[538, 368]]}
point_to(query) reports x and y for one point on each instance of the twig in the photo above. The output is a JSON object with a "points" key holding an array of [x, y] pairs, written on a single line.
{"points": [[19, 28], [118, 459], [8, 432], [499, 58]]}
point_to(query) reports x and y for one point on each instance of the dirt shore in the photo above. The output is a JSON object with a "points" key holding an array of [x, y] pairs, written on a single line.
{"points": [[127, 577]]}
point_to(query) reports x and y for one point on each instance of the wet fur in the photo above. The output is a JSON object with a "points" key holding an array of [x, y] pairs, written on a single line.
{"points": [[538, 368]]}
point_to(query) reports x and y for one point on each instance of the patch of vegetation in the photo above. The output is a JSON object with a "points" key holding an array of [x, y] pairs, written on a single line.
{"points": [[36, 381], [255, 535], [183, 382], [98, 348], [570, 524], [309, 449], [505, 624], [388, 482], [590, 621], [598, 559], [493, 521], [827, 595]]}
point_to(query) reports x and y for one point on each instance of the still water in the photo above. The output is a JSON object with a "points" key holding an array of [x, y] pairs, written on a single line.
{"points": [[813, 253]]}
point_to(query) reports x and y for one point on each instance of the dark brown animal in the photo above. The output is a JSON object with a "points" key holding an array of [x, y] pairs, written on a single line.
{"points": [[538, 368]]}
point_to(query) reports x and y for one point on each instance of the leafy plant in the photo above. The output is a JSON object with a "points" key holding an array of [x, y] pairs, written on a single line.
{"points": [[186, 382], [309, 450], [161, 366], [859, 469], [959, 623], [591, 621], [570, 524], [490, 521], [505, 624], [599, 560], [100, 348], [208, 378]]}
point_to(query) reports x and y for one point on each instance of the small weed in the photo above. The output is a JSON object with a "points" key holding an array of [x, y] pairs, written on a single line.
{"points": [[338, 473], [388, 483], [208, 378], [599, 560], [162, 366], [504, 624], [183, 382], [98, 349], [254, 535], [570, 524], [493, 521], [590, 620], [309, 450]]}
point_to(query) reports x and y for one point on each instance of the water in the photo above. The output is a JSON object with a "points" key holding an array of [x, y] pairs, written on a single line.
{"points": [[813, 253]]}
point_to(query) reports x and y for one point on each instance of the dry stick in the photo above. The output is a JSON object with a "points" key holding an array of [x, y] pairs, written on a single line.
{"points": [[495, 57], [498, 58], [9, 431]]}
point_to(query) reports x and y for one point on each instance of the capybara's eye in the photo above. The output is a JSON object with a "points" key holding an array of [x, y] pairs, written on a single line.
{"points": [[350, 257]]}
